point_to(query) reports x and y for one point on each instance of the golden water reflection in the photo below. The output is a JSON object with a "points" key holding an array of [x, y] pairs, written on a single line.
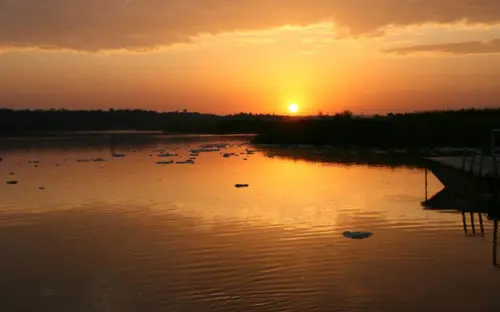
{"points": [[130, 235]]}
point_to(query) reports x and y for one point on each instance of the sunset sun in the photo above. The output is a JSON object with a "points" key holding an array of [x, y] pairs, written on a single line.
{"points": [[293, 108]]}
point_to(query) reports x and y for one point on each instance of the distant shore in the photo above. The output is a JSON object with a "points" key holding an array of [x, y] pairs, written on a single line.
{"points": [[408, 131], [412, 131]]}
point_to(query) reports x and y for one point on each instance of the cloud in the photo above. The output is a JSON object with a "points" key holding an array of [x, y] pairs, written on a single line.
{"points": [[93, 25], [255, 40], [456, 48]]}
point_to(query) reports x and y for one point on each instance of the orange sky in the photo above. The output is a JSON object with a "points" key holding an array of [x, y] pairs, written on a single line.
{"points": [[225, 56]]}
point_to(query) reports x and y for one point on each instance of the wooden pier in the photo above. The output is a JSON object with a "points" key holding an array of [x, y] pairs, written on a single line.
{"points": [[471, 186], [473, 163], [471, 210], [478, 165]]}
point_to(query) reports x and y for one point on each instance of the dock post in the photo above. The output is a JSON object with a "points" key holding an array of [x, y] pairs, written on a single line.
{"points": [[493, 147], [481, 159], [481, 226], [464, 221], [472, 223], [471, 168], [464, 159], [495, 240], [426, 184], [495, 166]]}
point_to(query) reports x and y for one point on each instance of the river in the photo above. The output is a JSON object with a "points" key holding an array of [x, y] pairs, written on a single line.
{"points": [[85, 231]]}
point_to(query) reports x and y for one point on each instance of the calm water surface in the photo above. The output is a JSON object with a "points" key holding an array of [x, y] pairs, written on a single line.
{"points": [[127, 234]]}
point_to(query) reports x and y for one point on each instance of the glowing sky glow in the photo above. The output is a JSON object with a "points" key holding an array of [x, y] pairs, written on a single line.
{"points": [[293, 108], [227, 56]]}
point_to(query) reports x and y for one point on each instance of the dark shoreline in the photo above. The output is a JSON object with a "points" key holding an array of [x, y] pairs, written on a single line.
{"points": [[456, 129], [432, 129]]}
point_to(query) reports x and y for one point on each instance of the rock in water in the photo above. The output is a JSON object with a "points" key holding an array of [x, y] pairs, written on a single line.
{"points": [[241, 185], [357, 235]]}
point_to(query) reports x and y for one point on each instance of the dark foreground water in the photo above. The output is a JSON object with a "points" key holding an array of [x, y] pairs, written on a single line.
{"points": [[127, 234]]}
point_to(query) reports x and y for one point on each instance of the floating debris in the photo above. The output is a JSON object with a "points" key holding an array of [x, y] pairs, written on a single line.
{"points": [[357, 235], [204, 150], [116, 155], [241, 185], [82, 160], [185, 162], [167, 155], [57, 165], [41, 188], [11, 182], [208, 146], [165, 162], [11, 173], [245, 159], [33, 162], [98, 159]]}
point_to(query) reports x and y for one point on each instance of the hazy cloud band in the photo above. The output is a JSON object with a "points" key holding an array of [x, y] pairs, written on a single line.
{"points": [[456, 48], [135, 24]]}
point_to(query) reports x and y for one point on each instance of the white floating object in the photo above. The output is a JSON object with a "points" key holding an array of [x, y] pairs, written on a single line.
{"points": [[357, 235]]}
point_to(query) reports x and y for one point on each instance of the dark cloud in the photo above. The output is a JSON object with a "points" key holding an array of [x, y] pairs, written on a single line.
{"points": [[457, 48], [136, 24]]}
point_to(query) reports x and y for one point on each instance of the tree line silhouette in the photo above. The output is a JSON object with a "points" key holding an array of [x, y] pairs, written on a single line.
{"points": [[465, 127], [454, 128], [19, 122]]}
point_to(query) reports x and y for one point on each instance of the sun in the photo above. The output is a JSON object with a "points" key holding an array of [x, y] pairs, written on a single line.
{"points": [[293, 108]]}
